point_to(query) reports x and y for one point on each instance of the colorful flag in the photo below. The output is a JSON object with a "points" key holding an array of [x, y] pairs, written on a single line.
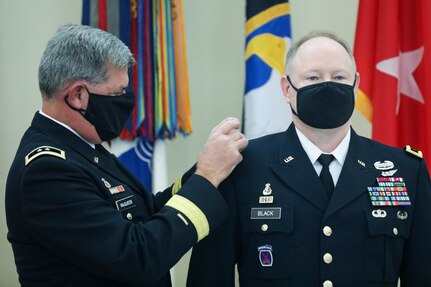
{"points": [[268, 36], [393, 56], [154, 32]]}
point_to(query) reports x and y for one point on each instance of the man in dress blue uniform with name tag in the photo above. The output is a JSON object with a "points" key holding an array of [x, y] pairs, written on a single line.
{"points": [[318, 205], [76, 216]]}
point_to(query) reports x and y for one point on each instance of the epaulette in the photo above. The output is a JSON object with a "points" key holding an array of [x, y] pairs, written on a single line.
{"points": [[44, 150], [416, 153]]}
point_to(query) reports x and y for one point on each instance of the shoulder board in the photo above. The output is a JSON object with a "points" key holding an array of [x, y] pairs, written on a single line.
{"points": [[44, 150], [416, 153]]}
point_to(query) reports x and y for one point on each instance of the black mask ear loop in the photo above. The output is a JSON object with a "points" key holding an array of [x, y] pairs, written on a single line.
{"points": [[296, 90], [81, 111]]}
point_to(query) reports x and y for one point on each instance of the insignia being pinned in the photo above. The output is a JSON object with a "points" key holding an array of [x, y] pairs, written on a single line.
{"points": [[265, 255], [44, 150], [390, 191]]}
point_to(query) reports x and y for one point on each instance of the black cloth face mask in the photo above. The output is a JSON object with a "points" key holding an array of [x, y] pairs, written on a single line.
{"points": [[324, 105], [108, 114]]}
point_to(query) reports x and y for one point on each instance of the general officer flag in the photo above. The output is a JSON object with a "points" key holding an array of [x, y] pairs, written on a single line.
{"points": [[393, 56], [268, 36]]}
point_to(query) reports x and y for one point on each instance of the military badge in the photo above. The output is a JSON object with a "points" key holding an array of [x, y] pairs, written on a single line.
{"points": [[402, 215], [265, 255], [116, 189], [390, 191], [267, 190], [266, 199]]}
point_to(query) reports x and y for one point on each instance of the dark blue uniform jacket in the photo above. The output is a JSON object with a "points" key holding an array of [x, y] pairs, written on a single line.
{"points": [[77, 217], [297, 236]]}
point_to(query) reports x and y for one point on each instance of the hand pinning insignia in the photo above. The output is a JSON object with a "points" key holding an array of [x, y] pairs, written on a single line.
{"points": [[44, 150]]}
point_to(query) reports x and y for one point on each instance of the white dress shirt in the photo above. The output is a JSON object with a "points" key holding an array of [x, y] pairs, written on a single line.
{"points": [[339, 153]]}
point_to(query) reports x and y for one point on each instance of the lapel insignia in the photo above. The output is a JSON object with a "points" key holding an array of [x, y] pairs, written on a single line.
{"points": [[402, 215], [361, 162], [265, 255], [379, 213], [96, 159], [288, 159], [267, 190]]}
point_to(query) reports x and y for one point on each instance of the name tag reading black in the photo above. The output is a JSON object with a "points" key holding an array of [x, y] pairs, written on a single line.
{"points": [[266, 213], [125, 203]]}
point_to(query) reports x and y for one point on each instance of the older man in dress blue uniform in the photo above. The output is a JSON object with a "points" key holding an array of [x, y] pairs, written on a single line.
{"points": [[76, 216]]}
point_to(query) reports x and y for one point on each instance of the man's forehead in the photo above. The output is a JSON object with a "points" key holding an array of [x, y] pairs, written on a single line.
{"points": [[321, 43]]}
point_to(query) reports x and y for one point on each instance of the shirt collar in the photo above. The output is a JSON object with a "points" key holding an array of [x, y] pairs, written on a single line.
{"points": [[313, 152], [67, 127]]}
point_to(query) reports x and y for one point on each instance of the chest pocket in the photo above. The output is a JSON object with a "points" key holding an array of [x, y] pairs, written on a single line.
{"points": [[388, 230], [267, 242]]}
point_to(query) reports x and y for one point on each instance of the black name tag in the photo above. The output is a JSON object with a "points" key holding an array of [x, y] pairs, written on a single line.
{"points": [[125, 203], [266, 213]]}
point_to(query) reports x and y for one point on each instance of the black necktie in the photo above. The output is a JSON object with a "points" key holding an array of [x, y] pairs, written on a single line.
{"points": [[325, 176]]}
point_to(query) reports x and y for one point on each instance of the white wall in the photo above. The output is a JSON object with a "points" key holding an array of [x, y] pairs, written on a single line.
{"points": [[215, 42]]}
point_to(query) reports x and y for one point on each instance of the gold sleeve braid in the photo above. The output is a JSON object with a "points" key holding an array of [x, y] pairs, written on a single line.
{"points": [[177, 186], [194, 214]]}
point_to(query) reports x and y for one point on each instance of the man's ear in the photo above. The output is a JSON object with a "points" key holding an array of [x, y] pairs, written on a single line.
{"points": [[285, 86], [356, 87], [77, 95]]}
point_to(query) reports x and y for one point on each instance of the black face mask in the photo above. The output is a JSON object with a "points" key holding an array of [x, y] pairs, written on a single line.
{"points": [[325, 105], [108, 114]]}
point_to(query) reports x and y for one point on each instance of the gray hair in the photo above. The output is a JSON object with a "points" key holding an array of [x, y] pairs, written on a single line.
{"points": [[315, 34], [78, 52]]}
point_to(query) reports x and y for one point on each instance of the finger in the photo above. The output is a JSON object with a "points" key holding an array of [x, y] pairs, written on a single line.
{"points": [[241, 144], [226, 126], [235, 135], [223, 121]]}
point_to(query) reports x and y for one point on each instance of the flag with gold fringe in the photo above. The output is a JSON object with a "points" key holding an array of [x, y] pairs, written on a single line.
{"points": [[154, 32]]}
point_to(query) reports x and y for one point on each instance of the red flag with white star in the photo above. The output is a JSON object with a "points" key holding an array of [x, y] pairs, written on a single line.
{"points": [[393, 56]]}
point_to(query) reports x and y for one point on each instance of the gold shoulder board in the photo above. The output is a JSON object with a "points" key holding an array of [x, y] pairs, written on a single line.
{"points": [[416, 153], [44, 150]]}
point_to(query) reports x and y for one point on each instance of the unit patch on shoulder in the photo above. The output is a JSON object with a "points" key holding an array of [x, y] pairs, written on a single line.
{"points": [[44, 150], [416, 153]]}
